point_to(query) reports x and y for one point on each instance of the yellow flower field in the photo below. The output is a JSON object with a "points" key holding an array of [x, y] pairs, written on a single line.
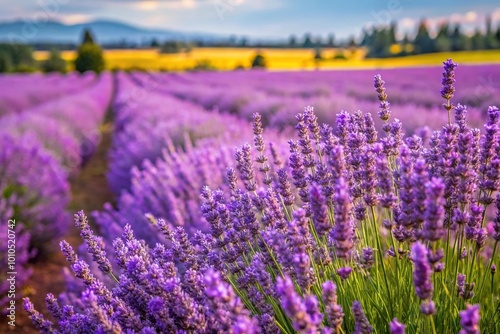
{"points": [[277, 59]]}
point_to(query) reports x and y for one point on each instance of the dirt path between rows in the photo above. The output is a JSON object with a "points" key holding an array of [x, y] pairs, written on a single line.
{"points": [[89, 191]]}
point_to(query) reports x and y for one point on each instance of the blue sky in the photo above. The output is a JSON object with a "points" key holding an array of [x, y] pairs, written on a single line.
{"points": [[257, 18]]}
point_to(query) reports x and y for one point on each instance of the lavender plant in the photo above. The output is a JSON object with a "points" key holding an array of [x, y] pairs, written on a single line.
{"points": [[38, 196], [147, 126], [33, 201], [361, 232], [20, 92], [40, 148], [275, 95]]}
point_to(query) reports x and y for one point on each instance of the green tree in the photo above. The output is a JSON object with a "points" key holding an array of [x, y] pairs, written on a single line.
{"points": [[351, 42], [423, 42], [204, 65], [405, 43], [292, 41], [367, 37], [318, 41], [489, 37], [392, 33], [330, 42], [259, 61], [5, 62], [380, 43], [20, 55], [318, 54], [55, 63], [90, 56], [308, 43], [477, 41], [172, 47], [443, 42], [459, 41], [87, 37], [154, 43]]}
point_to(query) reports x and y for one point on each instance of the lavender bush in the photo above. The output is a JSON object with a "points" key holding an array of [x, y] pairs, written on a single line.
{"points": [[52, 124], [276, 95], [145, 127], [34, 193], [361, 232], [40, 148], [21, 91], [36, 196]]}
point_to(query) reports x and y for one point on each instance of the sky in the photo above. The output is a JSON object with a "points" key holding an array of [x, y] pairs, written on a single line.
{"points": [[257, 18]]}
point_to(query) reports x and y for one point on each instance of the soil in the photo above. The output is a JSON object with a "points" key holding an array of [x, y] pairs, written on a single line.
{"points": [[89, 192]]}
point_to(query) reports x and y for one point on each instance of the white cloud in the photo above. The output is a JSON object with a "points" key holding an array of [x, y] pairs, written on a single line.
{"points": [[75, 18], [407, 23], [146, 5], [470, 17], [495, 16]]}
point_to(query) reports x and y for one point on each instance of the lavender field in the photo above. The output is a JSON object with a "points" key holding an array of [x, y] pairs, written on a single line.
{"points": [[362, 201]]}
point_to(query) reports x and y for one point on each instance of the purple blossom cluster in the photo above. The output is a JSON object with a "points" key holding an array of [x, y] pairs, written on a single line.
{"points": [[52, 124], [34, 199], [149, 124], [351, 231], [20, 91], [276, 95], [40, 148]]}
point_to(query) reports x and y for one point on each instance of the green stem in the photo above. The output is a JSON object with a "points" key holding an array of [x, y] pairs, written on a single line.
{"points": [[381, 256], [488, 268], [433, 326]]}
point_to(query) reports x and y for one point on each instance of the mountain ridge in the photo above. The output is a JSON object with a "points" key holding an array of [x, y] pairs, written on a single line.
{"points": [[105, 31]]}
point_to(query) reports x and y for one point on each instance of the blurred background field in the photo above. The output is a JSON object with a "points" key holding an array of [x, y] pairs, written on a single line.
{"points": [[227, 59]]}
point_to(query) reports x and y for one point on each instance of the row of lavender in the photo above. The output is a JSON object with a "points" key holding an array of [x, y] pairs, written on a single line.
{"points": [[276, 95], [355, 231], [164, 151], [22, 91], [40, 149]]}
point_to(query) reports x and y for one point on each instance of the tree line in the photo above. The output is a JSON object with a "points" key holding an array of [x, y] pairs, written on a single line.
{"points": [[381, 41], [19, 58]]}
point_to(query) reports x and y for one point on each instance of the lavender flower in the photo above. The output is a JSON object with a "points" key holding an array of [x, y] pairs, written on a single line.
{"points": [[295, 307], [342, 233], [448, 90], [367, 258], [344, 272], [94, 246], [284, 187], [396, 327], [434, 214], [361, 326], [304, 140], [421, 271], [319, 211], [496, 220], [384, 112], [243, 158], [45, 326], [469, 320], [334, 312]]}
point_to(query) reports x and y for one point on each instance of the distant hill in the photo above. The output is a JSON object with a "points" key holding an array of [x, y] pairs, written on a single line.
{"points": [[105, 32]]}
